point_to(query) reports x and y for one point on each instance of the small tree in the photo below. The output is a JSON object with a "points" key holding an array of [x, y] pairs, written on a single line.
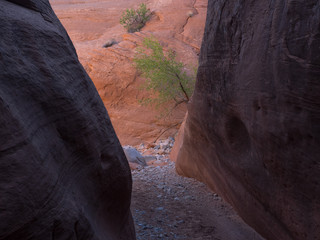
{"points": [[133, 20], [164, 74]]}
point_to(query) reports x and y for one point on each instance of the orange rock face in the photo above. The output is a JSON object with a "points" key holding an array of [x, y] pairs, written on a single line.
{"points": [[91, 24]]}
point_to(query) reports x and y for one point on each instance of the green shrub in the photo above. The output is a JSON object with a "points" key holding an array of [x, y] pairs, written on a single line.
{"points": [[133, 20], [164, 74]]}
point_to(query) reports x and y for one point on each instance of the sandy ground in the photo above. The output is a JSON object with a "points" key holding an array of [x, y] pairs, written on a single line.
{"points": [[168, 206]]}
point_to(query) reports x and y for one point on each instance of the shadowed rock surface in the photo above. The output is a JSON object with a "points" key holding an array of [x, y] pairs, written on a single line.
{"points": [[63, 174], [252, 131]]}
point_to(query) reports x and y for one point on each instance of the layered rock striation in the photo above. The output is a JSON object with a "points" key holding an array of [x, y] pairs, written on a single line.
{"points": [[252, 131], [63, 173]]}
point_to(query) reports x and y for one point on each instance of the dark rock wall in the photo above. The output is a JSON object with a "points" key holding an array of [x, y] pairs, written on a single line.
{"points": [[63, 174], [253, 127]]}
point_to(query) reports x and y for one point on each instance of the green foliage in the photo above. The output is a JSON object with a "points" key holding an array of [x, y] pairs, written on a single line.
{"points": [[133, 20], [164, 74]]}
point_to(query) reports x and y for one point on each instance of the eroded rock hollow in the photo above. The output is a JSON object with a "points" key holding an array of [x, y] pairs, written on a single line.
{"points": [[252, 131], [63, 174]]}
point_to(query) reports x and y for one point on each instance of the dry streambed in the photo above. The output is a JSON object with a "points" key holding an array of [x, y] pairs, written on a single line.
{"points": [[168, 206]]}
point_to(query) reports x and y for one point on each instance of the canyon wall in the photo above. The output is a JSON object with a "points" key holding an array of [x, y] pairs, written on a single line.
{"points": [[252, 132], [178, 25], [63, 174]]}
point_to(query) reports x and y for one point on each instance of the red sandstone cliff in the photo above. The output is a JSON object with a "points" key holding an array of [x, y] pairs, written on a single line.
{"points": [[91, 24]]}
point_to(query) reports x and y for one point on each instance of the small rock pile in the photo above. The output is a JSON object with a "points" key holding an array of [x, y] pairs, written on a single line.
{"points": [[154, 154]]}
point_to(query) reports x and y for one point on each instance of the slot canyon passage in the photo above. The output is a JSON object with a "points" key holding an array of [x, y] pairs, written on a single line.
{"points": [[251, 134]]}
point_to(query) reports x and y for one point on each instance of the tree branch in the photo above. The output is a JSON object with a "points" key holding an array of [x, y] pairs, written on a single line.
{"points": [[165, 131], [182, 88]]}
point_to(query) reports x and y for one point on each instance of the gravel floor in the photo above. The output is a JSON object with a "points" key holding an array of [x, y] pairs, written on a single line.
{"points": [[168, 206]]}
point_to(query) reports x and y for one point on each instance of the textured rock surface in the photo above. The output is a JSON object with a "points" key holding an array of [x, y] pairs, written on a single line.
{"points": [[253, 127], [63, 174], [178, 141], [133, 156], [92, 23]]}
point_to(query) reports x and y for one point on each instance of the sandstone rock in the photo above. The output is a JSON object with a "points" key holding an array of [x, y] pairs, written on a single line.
{"points": [[94, 22], [134, 166], [134, 156], [149, 158], [63, 174], [253, 128], [178, 141]]}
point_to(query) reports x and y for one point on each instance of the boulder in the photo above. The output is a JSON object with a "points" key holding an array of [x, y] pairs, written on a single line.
{"points": [[252, 132], [63, 173], [134, 156]]}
